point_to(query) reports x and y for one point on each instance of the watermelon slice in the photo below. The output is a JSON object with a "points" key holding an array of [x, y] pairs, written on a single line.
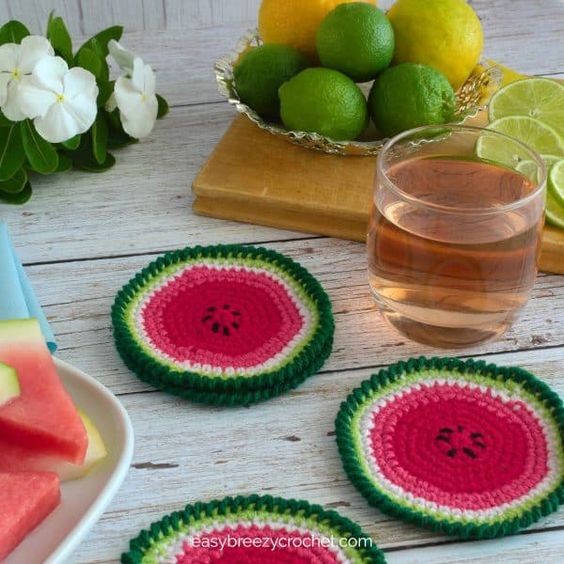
{"points": [[27, 498], [43, 417], [14, 458]]}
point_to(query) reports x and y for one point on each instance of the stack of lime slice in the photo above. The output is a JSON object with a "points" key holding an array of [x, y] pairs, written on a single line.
{"points": [[532, 110]]}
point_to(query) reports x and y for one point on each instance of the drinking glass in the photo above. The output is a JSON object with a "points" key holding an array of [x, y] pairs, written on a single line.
{"points": [[454, 238]]}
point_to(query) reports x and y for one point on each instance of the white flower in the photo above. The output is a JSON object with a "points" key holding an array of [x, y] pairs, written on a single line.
{"points": [[134, 93], [121, 56], [17, 61], [61, 102]]}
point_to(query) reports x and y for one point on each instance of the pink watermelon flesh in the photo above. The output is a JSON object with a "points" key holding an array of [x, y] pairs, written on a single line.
{"points": [[15, 458], [26, 499], [43, 417]]}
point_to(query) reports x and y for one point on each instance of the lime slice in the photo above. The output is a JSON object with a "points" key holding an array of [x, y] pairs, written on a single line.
{"points": [[530, 168], [554, 211], [539, 98], [534, 133], [556, 181]]}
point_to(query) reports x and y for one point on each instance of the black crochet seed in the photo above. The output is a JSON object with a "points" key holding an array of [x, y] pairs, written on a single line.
{"points": [[445, 435], [220, 326]]}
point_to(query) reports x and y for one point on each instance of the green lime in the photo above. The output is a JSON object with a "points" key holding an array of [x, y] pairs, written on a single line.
{"points": [[410, 95], [556, 181], [261, 71], [324, 101], [539, 98], [356, 39]]}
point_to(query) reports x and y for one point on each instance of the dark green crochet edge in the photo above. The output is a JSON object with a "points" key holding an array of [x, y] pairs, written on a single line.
{"points": [[349, 455], [275, 505], [215, 390]]}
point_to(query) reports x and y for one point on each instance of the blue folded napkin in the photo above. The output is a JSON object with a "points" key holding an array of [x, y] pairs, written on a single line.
{"points": [[17, 299]]}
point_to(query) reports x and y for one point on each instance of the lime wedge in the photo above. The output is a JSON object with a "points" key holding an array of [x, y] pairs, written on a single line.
{"points": [[539, 98], [556, 181]]}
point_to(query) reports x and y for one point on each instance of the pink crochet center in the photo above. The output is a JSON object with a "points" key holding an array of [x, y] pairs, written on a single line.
{"points": [[459, 447], [256, 545], [224, 318]]}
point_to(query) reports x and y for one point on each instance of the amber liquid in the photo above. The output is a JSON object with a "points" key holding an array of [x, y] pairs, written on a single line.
{"points": [[452, 279]]}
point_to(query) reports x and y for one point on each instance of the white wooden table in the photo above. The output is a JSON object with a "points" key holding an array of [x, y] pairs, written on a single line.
{"points": [[83, 236]]}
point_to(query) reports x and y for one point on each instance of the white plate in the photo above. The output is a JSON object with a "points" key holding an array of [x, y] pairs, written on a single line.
{"points": [[83, 500]]}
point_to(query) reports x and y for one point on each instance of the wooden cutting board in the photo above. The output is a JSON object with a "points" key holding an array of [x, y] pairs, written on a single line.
{"points": [[255, 177]]}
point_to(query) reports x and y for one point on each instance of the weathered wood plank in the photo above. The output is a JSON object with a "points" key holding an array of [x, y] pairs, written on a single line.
{"points": [[77, 298], [544, 547], [143, 204], [283, 447]]}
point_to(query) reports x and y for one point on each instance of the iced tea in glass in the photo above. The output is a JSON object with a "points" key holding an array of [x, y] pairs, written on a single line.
{"points": [[454, 239]]}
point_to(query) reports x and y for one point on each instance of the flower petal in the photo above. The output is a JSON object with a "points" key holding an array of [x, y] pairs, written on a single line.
{"points": [[11, 108], [138, 75], [139, 122], [34, 99], [9, 57], [49, 73], [79, 81], [5, 79], [57, 125], [83, 109], [149, 80], [122, 57], [127, 96], [32, 49]]}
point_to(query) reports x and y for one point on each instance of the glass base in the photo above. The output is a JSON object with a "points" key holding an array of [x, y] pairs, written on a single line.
{"points": [[443, 337]]}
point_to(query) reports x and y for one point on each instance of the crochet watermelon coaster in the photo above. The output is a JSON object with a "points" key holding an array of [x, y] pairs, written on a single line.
{"points": [[467, 448], [254, 530], [224, 325]]}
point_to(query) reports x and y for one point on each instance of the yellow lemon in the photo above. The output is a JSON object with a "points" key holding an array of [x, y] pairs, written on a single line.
{"points": [[295, 22], [444, 34]]}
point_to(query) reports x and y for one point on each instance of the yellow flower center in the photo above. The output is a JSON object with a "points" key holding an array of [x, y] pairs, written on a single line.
{"points": [[16, 73], [60, 98]]}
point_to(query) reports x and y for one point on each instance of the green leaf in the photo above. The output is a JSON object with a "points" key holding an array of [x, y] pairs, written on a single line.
{"points": [[89, 60], [12, 154], [15, 184], [119, 139], [100, 139], [105, 91], [40, 154], [13, 32], [91, 165], [163, 107], [65, 163], [4, 121], [72, 143], [58, 35], [17, 199], [100, 40], [114, 120]]}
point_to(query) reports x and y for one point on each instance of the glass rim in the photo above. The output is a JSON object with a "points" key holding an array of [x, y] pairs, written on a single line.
{"points": [[381, 173]]}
